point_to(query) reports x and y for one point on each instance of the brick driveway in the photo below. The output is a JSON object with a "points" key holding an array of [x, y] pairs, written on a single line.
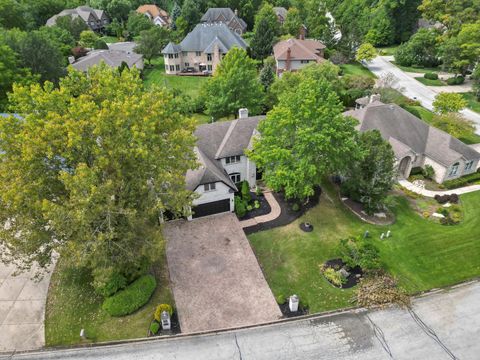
{"points": [[216, 280]]}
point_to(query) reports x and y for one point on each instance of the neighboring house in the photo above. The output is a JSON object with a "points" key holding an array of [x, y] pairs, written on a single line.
{"points": [[156, 15], [220, 152], [415, 143], [201, 50], [281, 13], [112, 58], [128, 46], [225, 16], [95, 19], [294, 54]]}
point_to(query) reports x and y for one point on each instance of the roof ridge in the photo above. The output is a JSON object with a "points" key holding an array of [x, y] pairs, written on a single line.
{"points": [[226, 137]]}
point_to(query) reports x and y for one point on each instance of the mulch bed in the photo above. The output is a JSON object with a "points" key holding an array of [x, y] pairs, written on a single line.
{"points": [[264, 208], [352, 279], [287, 214], [287, 313], [357, 208], [175, 327]]}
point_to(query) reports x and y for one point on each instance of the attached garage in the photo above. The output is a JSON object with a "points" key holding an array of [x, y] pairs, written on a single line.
{"points": [[211, 208]]}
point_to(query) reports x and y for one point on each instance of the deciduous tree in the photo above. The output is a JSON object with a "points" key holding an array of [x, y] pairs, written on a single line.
{"points": [[449, 103], [366, 52], [152, 41]]}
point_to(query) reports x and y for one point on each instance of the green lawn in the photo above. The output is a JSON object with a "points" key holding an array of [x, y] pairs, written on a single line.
{"points": [[473, 103], [422, 254], [110, 39], [430, 82], [416, 69], [73, 305], [355, 68], [189, 85], [388, 50]]}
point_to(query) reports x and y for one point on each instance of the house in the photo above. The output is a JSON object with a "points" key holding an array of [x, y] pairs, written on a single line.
{"points": [[95, 19], [201, 50], [113, 58], [293, 54], [220, 151], [225, 16], [281, 13], [156, 15], [415, 143]]}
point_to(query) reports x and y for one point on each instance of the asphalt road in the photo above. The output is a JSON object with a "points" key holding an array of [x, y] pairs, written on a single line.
{"points": [[412, 88], [442, 325]]}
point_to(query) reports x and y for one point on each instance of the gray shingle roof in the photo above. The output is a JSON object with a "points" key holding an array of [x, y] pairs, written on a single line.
{"points": [[82, 11], [171, 48], [202, 36], [404, 130], [217, 141], [225, 15], [112, 58]]}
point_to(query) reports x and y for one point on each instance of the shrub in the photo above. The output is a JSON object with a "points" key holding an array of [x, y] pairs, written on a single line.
{"points": [[245, 190], [431, 76], [258, 191], [100, 45], [333, 276], [429, 172], [154, 327], [161, 308], [249, 207], [464, 180], [132, 298], [412, 110], [256, 204], [240, 207], [454, 198], [443, 199], [107, 281], [360, 252], [457, 80]]}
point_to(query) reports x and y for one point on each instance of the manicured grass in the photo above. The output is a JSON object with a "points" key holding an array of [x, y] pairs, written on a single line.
{"points": [[387, 51], [430, 82], [421, 254], [417, 69], [355, 68], [110, 39], [189, 85], [73, 305], [473, 103]]}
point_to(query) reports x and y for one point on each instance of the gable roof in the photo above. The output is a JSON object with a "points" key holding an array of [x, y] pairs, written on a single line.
{"points": [[217, 141], [405, 131], [307, 49], [112, 58], [154, 12], [84, 12], [203, 35], [224, 15]]}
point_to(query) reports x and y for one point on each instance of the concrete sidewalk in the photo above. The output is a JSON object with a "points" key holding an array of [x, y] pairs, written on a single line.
{"points": [[430, 193]]}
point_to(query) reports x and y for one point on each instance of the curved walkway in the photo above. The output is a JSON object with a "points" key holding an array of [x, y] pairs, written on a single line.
{"points": [[272, 215], [430, 193], [441, 325]]}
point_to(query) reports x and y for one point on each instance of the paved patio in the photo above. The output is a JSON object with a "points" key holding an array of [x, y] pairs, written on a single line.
{"points": [[216, 280], [22, 310]]}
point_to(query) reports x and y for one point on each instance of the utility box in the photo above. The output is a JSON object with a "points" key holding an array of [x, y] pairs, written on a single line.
{"points": [[165, 320], [293, 302]]}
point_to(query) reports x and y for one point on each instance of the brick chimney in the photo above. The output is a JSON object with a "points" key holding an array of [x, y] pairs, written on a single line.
{"points": [[289, 59], [302, 32]]}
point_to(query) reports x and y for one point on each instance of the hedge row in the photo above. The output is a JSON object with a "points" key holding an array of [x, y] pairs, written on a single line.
{"points": [[133, 297], [431, 76], [458, 80], [463, 181]]}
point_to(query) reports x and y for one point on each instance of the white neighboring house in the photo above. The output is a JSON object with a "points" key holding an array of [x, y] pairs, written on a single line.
{"points": [[156, 15], [414, 142], [220, 152]]}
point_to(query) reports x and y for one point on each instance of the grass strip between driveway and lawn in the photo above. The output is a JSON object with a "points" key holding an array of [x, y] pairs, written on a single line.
{"points": [[430, 82], [355, 68], [417, 69], [73, 305], [472, 101], [422, 254]]}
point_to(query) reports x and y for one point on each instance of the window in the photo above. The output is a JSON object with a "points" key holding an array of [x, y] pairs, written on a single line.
{"points": [[187, 64], [172, 68], [209, 57], [209, 67], [165, 56], [184, 53], [170, 56], [454, 169], [468, 165], [232, 159], [304, 61], [166, 67], [235, 177], [198, 53], [177, 67], [209, 187], [176, 56]]}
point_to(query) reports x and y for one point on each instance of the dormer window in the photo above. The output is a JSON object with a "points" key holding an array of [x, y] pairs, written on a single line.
{"points": [[209, 187], [468, 165], [232, 159], [454, 169]]}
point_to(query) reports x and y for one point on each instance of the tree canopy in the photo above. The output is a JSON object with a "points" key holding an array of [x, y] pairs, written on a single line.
{"points": [[449, 103], [152, 41]]}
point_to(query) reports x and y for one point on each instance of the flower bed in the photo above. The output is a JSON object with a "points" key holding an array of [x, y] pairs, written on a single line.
{"points": [[336, 265]]}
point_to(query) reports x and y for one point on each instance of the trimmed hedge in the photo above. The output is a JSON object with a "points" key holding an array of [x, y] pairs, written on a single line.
{"points": [[132, 298], [458, 80], [463, 181], [431, 76]]}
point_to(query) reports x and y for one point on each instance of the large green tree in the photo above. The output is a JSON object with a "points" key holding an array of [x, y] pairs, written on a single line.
{"points": [[89, 168], [234, 85], [152, 41], [11, 14], [422, 49], [304, 138], [266, 29], [191, 13], [293, 22], [371, 173]]}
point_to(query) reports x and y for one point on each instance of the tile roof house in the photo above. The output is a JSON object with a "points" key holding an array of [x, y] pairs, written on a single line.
{"points": [[281, 13], [202, 49], [415, 143], [293, 54], [95, 19], [158, 16], [112, 58], [225, 16], [220, 151]]}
